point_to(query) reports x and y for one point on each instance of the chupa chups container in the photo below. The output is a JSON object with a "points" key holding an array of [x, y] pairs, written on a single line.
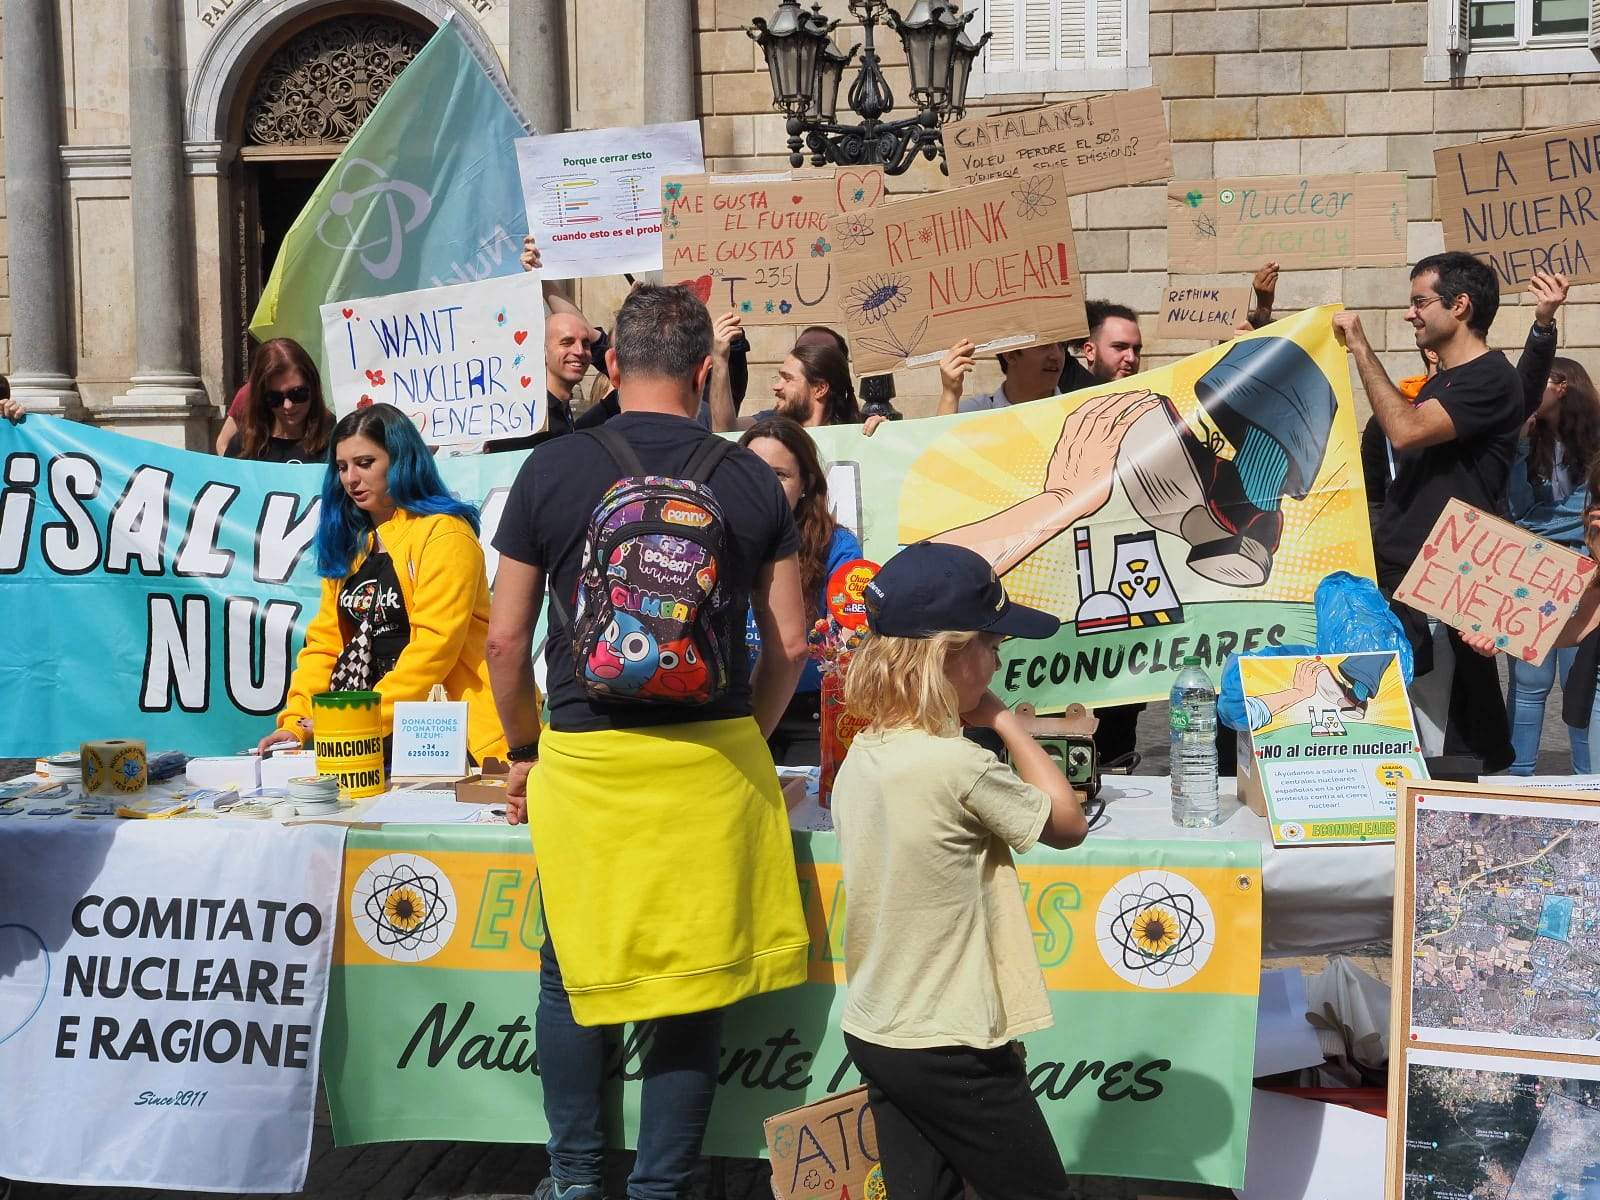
{"points": [[839, 729], [347, 728]]}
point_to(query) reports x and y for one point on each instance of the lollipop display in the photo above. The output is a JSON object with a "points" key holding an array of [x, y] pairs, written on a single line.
{"points": [[834, 640]]}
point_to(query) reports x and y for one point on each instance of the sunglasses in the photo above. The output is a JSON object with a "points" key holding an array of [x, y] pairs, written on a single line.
{"points": [[294, 395]]}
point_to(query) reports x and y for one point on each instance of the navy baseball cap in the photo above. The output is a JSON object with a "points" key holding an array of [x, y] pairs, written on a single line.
{"points": [[933, 588]]}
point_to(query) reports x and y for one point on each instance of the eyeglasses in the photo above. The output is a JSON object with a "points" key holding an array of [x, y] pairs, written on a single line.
{"points": [[1418, 303], [294, 395]]}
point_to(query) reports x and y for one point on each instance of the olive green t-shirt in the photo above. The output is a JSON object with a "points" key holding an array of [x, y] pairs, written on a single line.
{"points": [[938, 949]]}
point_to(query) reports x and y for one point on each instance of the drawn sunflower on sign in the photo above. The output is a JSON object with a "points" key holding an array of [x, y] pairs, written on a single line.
{"points": [[404, 909], [1155, 931], [877, 297], [888, 341]]}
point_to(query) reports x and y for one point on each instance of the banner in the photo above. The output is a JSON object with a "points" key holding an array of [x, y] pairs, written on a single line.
{"points": [[144, 586], [402, 209], [1300, 222], [1142, 945], [594, 195], [465, 362], [162, 987], [1524, 203]]}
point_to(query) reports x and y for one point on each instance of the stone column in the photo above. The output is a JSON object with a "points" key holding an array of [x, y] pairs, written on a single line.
{"points": [[41, 351], [164, 387], [669, 72], [538, 47]]}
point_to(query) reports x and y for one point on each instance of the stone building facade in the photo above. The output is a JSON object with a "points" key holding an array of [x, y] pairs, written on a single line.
{"points": [[155, 150]]}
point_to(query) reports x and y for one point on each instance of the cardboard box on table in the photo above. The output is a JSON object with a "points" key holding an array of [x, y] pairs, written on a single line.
{"points": [[487, 785]]}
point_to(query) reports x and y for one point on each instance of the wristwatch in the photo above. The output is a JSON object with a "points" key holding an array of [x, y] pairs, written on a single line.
{"points": [[527, 752]]}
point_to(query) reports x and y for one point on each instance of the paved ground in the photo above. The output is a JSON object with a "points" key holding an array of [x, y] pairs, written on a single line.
{"points": [[490, 1171]]}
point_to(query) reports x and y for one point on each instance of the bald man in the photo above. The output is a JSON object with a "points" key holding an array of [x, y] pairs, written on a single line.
{"points": [[568, 351]]}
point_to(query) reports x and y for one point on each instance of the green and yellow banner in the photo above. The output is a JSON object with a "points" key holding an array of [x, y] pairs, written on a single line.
{"points": [[1150, 950]]}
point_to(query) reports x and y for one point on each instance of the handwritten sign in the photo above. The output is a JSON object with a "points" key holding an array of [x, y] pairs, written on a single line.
{"points": [[464, 362], [994, 262], [1197, 311], [1526, 203], [594, 196], [1100, 142], [826, 1148], [1300, 222], [760, 244], [1480, 574]]}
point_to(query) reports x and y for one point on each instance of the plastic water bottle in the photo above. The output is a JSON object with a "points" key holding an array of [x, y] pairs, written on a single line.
{"points": [[1193, 722]]}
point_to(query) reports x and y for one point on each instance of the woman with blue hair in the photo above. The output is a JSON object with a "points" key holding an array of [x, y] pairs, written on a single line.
{"points": [[405, 601]]}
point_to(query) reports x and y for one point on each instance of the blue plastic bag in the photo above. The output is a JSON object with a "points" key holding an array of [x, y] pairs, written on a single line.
{"points": [[1352, 618]]}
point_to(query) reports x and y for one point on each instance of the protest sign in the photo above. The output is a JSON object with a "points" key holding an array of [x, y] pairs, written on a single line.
{"points": [[181, 584], [162, 987], [1097, 143], [1525, 203], [465, 363], [1300, 222], [1331, 738], [994, 262], [594, 195], [760, 244], [828, 1146], [430, 738], [1493, 1072], [1190, 310], [1480, 574], [454, 1055]]}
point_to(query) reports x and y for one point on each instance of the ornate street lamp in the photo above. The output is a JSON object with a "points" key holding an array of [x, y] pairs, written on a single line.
{"points": [[806, 70]]}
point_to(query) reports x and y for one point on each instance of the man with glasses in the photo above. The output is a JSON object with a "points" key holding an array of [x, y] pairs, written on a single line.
{"points": [[1456, 440]]}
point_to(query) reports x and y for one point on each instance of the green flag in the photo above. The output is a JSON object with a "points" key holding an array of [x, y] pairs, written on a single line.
{"points": [[426, 193]]}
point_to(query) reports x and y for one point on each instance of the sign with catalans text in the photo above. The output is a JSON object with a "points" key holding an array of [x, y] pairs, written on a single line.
{"points": [[1480, 574], [1300, 222], [994, 262], [1525, 203], [760, 244], [1100, 142]]}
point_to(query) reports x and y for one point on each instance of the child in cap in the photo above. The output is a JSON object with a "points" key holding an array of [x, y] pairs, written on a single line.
{"points": [[938, 950]]}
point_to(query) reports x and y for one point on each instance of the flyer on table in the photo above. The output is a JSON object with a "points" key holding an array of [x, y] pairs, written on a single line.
{"points": [[1332, 738]]}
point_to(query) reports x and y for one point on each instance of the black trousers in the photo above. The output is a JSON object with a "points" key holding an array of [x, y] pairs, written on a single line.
{"points": [[953, 1113]]}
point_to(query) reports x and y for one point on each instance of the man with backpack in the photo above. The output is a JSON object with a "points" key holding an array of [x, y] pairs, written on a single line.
{"points": [[666, 870]]}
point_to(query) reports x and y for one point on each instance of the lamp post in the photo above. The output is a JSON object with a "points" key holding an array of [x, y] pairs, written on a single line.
{"points": [[807, 69]]}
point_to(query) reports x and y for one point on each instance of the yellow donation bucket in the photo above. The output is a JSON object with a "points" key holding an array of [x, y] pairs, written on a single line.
{"points": [[348, 730]]}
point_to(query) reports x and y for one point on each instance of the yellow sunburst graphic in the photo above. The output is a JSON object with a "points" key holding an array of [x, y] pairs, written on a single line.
{"points": [[404, 909]]}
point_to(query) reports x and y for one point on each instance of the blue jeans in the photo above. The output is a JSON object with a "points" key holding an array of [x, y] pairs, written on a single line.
{"points": [[680, 1063], [1530, 687]]}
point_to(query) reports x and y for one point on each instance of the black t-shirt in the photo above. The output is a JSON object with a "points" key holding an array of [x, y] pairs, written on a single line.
{"points": [[547, 515], [277, 449], [1484, 400], [371, 603], [560, 422]]}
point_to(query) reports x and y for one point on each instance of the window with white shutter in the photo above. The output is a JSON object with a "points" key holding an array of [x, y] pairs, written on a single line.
{"points": [[1064, 46], [1477, 38]]}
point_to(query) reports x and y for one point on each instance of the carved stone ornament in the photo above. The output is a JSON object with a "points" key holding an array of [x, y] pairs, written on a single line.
{"points": [[321, 84]]}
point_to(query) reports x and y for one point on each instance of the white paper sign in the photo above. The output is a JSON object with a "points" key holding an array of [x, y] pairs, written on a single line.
{"points": [[430, 738], [594, 196], [162, 986], [465, 362]]}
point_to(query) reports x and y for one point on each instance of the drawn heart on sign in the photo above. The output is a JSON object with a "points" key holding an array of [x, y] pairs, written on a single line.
{"points": [[858, 189], [520, 336], [420, 420], [365, 401], [797, 199], [348, 313], [28, 970], [700, 287], [525, 380], [1530, 655], [1429, 551]]}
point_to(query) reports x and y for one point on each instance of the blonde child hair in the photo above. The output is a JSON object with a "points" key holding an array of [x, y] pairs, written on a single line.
{"points": [[900, 683]]}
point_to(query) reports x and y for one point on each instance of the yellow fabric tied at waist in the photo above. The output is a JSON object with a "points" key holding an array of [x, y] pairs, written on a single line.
{"points": [[666, 868]]}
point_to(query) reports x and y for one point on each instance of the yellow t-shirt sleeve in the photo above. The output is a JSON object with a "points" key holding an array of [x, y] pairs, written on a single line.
{"points": [[314, 668], [1012, 810]]}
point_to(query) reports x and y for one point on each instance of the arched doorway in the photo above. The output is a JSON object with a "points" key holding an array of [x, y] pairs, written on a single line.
{"points": [[307, 94]]}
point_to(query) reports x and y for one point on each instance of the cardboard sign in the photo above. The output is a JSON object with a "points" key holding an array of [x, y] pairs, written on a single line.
{"points": [[1480, 574], [994, 262], [760, 244], [594, 195], [1300, 222], [464, 362], [430, 738], [1194, 311], [1525, 203], [826, 1148], [1331, 738], [1099, 142]]}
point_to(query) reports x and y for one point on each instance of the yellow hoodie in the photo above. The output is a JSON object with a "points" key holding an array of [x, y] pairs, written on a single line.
{"points": [[439, 564]]}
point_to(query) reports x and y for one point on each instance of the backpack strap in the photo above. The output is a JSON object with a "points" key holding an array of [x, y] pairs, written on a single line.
{"points": [[617, 446], [706, 458]]}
